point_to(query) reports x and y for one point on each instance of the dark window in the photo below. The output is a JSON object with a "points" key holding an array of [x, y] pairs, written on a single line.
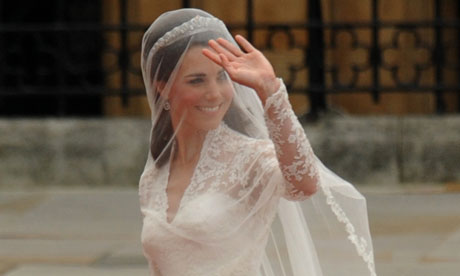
{"points": [[50, 56]]}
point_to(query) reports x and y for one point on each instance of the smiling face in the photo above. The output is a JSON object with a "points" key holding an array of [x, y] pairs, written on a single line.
{"points": [[201, 93]]}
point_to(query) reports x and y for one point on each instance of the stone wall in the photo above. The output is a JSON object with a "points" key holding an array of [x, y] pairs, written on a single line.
{"points": [[105, 152]]}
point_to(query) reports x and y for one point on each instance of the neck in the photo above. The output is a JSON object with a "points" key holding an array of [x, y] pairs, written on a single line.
{"points": [[188, 145]]}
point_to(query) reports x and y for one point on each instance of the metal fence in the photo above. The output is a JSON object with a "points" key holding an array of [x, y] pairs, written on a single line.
{"points": [[67, 65]]}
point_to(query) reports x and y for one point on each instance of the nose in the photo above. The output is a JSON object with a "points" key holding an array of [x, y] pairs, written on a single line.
{"points": [[213, 91]]}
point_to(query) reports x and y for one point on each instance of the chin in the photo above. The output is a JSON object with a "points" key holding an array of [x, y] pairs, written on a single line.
{"points": [[211, 126]]}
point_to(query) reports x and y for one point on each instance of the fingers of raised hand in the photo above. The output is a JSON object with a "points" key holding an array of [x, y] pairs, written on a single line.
{"points": [[220, 49], [226, 64], [246, 45], [219, 59], [235, 50], [212, 56]]}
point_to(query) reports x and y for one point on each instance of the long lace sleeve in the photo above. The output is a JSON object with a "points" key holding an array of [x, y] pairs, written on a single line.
{"points": [[293, 150]]}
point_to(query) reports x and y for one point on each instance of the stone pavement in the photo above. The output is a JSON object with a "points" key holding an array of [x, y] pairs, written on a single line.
{"points": [[83, 231]]}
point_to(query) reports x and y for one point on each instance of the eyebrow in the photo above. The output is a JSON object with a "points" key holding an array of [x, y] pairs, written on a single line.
{"points": [[194, 75]]}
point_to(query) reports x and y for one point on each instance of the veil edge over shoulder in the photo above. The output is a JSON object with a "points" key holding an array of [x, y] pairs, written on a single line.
{"points": [[326, 234]]}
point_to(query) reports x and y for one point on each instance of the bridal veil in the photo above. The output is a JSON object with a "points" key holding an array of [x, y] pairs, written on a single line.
{"points": [[325, 234]]}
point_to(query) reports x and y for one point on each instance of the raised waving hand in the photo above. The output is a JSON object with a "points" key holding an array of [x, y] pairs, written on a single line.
{"points": [[249, 67]]}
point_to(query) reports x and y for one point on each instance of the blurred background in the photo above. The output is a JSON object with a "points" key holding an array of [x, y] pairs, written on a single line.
{"points": [[376, 84]]}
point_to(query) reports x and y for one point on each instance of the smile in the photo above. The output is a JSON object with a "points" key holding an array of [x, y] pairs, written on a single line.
{"points": [[208, 108]]}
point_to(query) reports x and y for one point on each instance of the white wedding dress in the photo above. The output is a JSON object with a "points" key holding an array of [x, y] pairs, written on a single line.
{"points": [[240, 213], [224, 218], [200, 210]]}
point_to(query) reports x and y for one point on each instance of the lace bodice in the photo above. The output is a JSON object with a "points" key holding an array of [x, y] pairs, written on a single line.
{"points": [[237, 184]]}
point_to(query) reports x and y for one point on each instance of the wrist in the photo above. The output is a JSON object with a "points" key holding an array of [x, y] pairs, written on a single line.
{"points": [[268, 88]]}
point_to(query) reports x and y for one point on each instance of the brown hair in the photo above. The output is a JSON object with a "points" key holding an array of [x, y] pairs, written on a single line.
{"points": [[163, 64]]}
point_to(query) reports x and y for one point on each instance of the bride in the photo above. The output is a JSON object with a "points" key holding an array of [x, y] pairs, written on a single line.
{"points": [[229, 164]]}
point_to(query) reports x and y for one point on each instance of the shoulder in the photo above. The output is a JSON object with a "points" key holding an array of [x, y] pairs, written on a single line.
{"points": [[249, 152], [248, 144]]}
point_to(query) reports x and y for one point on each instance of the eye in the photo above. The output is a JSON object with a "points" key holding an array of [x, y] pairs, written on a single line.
{"points": [[196, 81]]}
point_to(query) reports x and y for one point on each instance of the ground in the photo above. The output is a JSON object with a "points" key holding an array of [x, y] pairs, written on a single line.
{"points": [[83, 231]]}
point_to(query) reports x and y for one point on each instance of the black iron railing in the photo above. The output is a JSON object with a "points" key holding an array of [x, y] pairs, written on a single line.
{"points": [[69, 63]]}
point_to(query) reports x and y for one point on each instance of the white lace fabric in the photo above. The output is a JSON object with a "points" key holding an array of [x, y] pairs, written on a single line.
{"points": [[292, 146], [216, 180], [213, 184], [251, 186], [208, 207], [284, 127]]}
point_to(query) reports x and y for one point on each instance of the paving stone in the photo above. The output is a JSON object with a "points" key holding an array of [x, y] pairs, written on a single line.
{"points": [[4, 267], [447, 251], [97, 232], [53, 270], [417, 269], [405, 248], [128, 254], [54, 251], [75, 214]]}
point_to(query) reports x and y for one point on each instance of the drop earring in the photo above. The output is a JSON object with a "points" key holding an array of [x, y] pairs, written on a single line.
{"points": [[166, 106]]}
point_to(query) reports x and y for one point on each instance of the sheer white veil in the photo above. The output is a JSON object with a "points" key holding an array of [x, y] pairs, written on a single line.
{"points": [[327, 234]]}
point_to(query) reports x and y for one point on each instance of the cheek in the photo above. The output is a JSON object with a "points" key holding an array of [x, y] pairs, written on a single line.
{"points": [[185, 102], [191, 100], [228, 93], [226, 90]]}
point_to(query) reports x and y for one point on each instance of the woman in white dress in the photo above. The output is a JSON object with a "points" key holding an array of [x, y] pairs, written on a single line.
{"points": [[229, 162]]}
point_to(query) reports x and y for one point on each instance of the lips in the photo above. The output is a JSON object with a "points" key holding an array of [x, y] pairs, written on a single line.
{"points": [[209, 109]]}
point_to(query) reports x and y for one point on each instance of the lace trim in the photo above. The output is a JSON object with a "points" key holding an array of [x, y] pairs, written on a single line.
{"points": [[150, 190], [193, 26], [303, 163], [359, 242]]}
